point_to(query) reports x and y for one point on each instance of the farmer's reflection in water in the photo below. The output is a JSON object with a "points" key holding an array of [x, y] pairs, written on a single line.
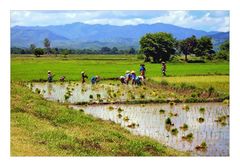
{"points": [[49, 88]]}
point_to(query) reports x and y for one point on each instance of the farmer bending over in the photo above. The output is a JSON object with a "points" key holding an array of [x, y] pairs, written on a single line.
{"points": [[62, 78], [122, 79], [95, 79], [139, 80], [83, 76], [133, 77], [50, 76], [128, 77]]}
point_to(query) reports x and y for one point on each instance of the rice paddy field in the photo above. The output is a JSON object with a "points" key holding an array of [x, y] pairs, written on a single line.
{"points": [[185, 113]]}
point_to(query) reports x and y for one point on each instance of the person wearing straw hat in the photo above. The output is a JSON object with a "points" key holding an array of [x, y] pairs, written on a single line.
{"points": [[122, 79], [133, 77], [128, 77], [95, 79], [83, 77], [50, 76]]}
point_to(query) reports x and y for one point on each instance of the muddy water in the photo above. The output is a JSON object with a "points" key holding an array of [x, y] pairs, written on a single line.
{"points": [[150, 122], [81, 92], [147, 119]]}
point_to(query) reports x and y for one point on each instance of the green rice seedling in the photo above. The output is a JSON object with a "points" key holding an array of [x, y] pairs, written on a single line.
{"points": [[114, 95], [37, 90], [161, 111], [91, 96], [168, 121], [81, 110], [171, 104], [210, 91], [226, 101], [126, 118], [98, 96], [171, 114], [200, 120], [110, 108], [142, 105], [222, 120], [202, 146], [174, 131], [120, 110], [142, 96], [188, 137], [185, 107], [132, 97], [202, 110], [184, 127], [132, 125], [119, 115], [66, 96]]}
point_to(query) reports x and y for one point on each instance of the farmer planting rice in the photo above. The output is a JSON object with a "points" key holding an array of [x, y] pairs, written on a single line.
{"points": [[83, 76], [62, 78], [139, 80], [95, 79], [50, 76], [142, 70], [128, 77], [133, 77], [122, 79]]}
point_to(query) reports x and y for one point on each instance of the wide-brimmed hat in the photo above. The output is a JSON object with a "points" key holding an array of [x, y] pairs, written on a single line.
{"points": [[127, 71], [133, 72], [82, 72]]}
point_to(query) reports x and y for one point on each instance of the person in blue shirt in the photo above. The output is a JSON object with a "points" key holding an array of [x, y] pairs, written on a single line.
{"points": [[142, 70], [95, 79], [133, 77], [139, 80]]}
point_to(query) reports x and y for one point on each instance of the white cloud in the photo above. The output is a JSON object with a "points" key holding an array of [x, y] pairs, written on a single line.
{"points": [[210, 21]]}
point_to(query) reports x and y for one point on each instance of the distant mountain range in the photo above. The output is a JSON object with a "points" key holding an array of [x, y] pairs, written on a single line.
{"points": [[79, 35]]}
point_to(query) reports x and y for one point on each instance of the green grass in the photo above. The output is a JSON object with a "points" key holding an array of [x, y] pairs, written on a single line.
{"points": [[44, 128], [220, 83], [29, 68]]}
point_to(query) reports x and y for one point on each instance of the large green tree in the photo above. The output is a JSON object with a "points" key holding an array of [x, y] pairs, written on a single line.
{"points": [[188, 46], [159, 46], [38, 52], [204, 47], [223, 52]]}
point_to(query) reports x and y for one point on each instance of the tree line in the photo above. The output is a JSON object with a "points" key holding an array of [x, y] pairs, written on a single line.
{"points": [[64, 51], [161, 46], [155, 47]]}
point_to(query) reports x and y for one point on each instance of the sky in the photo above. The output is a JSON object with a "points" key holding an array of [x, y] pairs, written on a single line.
{"points": [[201, 20]]}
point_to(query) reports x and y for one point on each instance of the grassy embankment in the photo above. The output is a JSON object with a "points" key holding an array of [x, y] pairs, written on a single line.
{"points": [[44, 128]]}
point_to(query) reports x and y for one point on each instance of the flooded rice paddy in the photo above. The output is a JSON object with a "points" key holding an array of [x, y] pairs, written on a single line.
{"points": [[77, 92], [200, 128]]}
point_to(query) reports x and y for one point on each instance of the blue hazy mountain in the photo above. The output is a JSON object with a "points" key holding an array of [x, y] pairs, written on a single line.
{"points": [[79, 35]]}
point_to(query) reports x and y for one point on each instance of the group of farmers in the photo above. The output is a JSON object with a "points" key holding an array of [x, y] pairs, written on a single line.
{"points": [[94, 79], [131, 76], [126, 79]]}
